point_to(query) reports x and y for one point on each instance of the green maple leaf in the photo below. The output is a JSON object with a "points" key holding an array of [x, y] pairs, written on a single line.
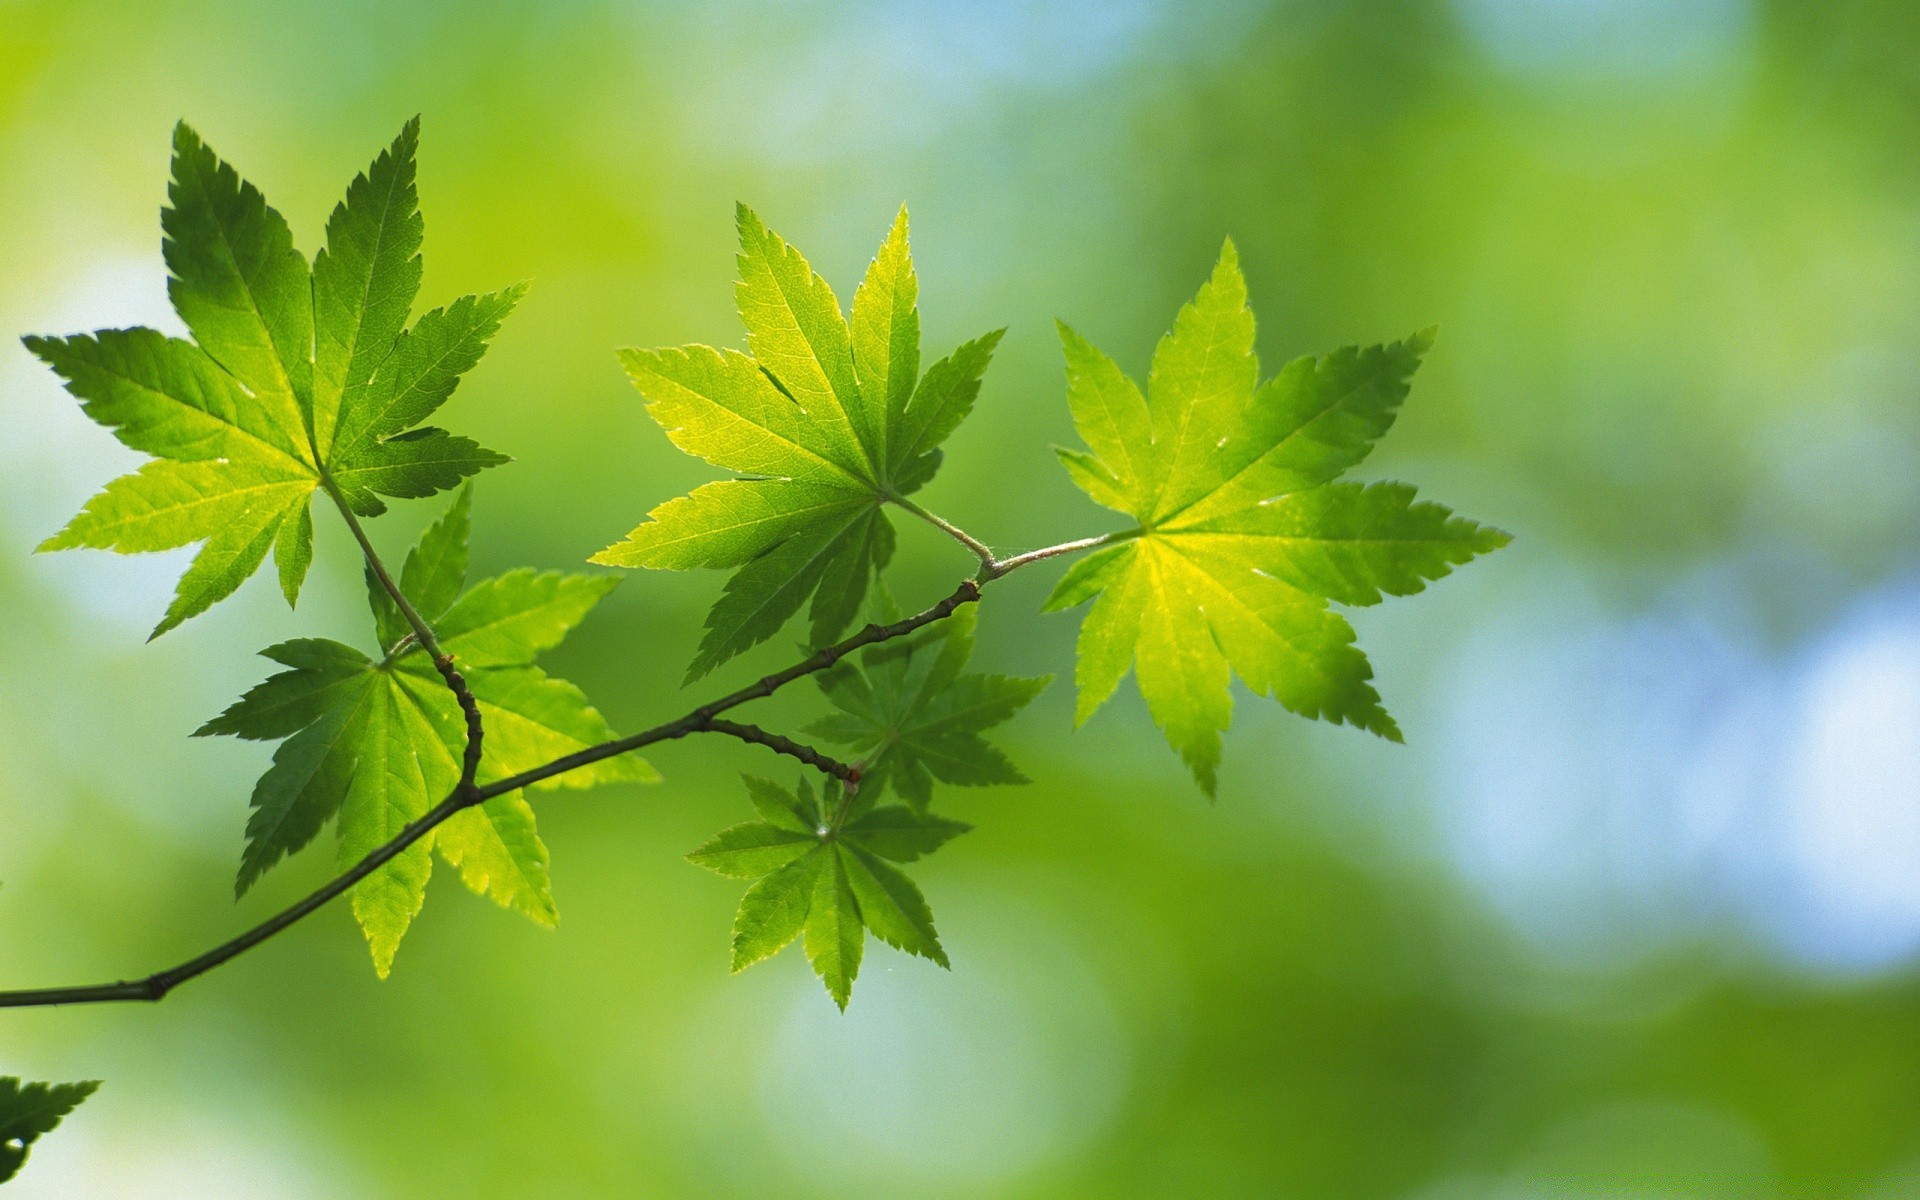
{"points": [[296, 379], [29, 1111], [377, 742], [825, 419], [914, 717], [822, 866], [1243, 535]]}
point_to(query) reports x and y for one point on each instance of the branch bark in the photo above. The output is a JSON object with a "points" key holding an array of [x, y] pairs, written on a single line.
{"points": [[423, 634], [845, 773], [701, 720]]}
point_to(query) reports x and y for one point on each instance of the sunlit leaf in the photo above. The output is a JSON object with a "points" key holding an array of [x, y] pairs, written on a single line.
{"points": [[296, 379], [819, 865], [1242, 537], [378, 742], [823, 419]]}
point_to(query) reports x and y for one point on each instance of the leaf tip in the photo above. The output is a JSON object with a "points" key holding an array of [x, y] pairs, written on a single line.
{"points": [[747, 222], [382, 950], [742, 956], [1381, 724], [1083, 709]]}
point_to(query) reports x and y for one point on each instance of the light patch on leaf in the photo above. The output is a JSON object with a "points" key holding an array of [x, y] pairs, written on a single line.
{"points": [[1243, 535]]}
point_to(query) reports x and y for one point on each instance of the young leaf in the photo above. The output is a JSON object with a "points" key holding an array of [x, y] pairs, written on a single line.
{"points": [[29, 1111], [824, 420], [378, 743], [914, 718], [820, 868], [295, 379], [1243, 538]]}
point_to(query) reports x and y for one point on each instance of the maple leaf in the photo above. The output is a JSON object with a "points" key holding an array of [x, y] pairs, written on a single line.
{"points": [[822, 866], [1243, 535], [29, 1111], [914, 717], [296, 379], [377, 742], [824, 418]]}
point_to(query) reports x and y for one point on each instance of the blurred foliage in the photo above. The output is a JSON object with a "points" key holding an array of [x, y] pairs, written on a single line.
{"points": [[1672, 251]]}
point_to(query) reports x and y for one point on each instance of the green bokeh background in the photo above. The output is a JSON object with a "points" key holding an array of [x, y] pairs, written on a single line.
{"points": [[1634, 913]]}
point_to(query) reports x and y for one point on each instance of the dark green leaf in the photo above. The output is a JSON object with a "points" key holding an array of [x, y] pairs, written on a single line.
{"points": [[30, 1111], [379, 743], [818, 860], [915, 718]]}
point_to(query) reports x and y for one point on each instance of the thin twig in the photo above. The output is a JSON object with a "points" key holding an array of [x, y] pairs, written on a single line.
{"points": [[993, 566], [154, 987], [980, 549], [157, 985], [423, 635], [845, 773], [1002, 566], [699, 718]]}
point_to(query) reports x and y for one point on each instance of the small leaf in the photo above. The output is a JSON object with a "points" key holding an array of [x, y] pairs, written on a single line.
{"points": [[379, 743], [1243, 539], [308, 781], [499, 854], [293, 376], [826, 421], [908, 709], [818, 859]]}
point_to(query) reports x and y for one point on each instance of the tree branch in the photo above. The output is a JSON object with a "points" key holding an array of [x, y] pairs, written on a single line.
{"points": [[980, 549], [992, 566], [849, 775], [422, 634], [703, 719]]}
